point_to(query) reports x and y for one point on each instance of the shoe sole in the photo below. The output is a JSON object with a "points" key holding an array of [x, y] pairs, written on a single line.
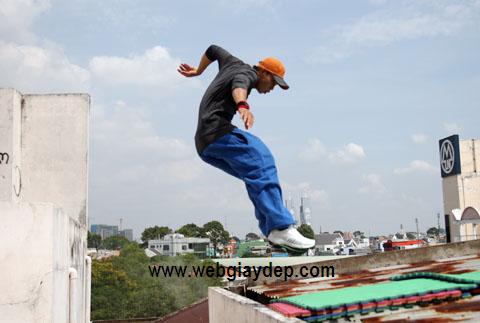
{"points": [[289, 248]]}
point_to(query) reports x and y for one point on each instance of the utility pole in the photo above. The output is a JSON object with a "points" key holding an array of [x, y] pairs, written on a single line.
{"points": [[418, 234], [438, 225]]}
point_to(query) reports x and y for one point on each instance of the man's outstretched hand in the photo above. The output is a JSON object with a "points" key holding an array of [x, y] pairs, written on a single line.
{"points": [[187, 70], [247, 117]]}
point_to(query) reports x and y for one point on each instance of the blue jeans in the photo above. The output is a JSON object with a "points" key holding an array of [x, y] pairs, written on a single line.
{"points": [[246, 157]]}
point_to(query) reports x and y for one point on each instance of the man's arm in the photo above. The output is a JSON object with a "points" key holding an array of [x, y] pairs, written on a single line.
{"points": [[190, 71], [240, 97], [212, 53]]}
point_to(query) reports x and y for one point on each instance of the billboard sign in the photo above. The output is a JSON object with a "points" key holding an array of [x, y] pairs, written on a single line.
{"points": [[450, 156]]}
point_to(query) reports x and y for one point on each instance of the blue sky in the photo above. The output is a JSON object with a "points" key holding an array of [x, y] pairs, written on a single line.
{"points": [[374, 86]]}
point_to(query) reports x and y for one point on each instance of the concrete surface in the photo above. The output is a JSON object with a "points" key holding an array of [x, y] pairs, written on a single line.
{"points": [[390, 258], [43, 207], [225, 306]]}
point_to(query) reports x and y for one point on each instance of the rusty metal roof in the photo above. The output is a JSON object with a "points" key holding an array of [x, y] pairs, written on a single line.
{"points": [[464, 309]]}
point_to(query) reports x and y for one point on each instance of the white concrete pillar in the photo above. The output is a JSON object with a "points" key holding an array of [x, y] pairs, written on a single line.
{"points": [[10, 157]]}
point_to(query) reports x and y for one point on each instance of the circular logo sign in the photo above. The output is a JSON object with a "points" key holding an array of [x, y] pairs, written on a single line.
{"points": [[448, 156]]}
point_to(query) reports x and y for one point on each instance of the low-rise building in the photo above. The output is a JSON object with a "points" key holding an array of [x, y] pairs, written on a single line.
{"points": [[177, 244], [328, 242]]}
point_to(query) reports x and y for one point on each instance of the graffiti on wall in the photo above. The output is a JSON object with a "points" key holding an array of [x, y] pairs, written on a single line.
{"points": [[4, 158]]}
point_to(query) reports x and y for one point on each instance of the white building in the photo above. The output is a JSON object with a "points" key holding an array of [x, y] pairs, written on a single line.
{"points": [[176, 244], [328, 242], [460, 166], [43, 208]]}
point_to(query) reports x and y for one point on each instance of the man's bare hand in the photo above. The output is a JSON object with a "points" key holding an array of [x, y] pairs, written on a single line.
{"points": [[247, 117], [187, 70]]}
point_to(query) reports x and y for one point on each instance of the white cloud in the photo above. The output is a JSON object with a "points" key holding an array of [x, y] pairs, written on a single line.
{"points": [[154, 68], [452, 128], [416, 166], [319, 197], [372, 185], [351, 153], [419, 138], [36, 69], [17, 16], [314, 151], [398, 22], [123, 136]]}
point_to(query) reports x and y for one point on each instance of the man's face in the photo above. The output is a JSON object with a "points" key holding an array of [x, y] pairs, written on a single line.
{"points": [[265, 83]]}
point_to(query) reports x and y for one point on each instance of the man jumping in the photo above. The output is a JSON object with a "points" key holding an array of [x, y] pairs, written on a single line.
{"points": [[238, 152]]}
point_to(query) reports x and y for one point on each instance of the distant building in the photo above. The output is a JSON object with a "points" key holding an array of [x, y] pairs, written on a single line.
{"points": [[127, 233], [104, 231], [177, 244], [328, 242], [401, 245], [254, 247], [460, 166], [305, 213]]}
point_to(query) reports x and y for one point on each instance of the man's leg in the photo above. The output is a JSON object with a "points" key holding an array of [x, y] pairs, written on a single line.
{"points": [[249, 159]]}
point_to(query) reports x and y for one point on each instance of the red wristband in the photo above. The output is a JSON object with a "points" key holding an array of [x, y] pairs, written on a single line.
{"points": [[243, 105]]}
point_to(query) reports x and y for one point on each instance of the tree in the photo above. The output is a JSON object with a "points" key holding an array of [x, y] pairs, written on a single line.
{"points": [[216, 233], [306, 231], [192, 230], [155, 232], [432, 232], [412, 235], [110, 291], [94, 240], [251, 236], [359, 234], [115, 242]]}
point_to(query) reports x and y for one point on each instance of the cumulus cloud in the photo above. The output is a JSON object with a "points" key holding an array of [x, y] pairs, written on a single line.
{"points": [[16, 18], [397, 22], [314, 151], [320, 197], [416, 166], [36, 69], [154, 68], [125, 137], [419, 138], [351, 153], [372, 185]]}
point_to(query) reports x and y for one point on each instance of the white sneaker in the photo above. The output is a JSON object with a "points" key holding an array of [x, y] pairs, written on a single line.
{"points": [[290, 237]]}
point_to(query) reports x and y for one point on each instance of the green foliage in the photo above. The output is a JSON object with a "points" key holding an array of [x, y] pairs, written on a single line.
{"points": [[155, 232], [192, 230], [115, 242], [432, 231], [216, 233], [123, 288], [306, 231], [111, 288], [412, 235], [94, 240]]}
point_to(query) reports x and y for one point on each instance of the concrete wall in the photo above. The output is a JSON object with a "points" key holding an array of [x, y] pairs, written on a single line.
{"points": [[55, 151], [34, 272], [463, 190], [43, 206], [10, 157], [225, 306]]}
